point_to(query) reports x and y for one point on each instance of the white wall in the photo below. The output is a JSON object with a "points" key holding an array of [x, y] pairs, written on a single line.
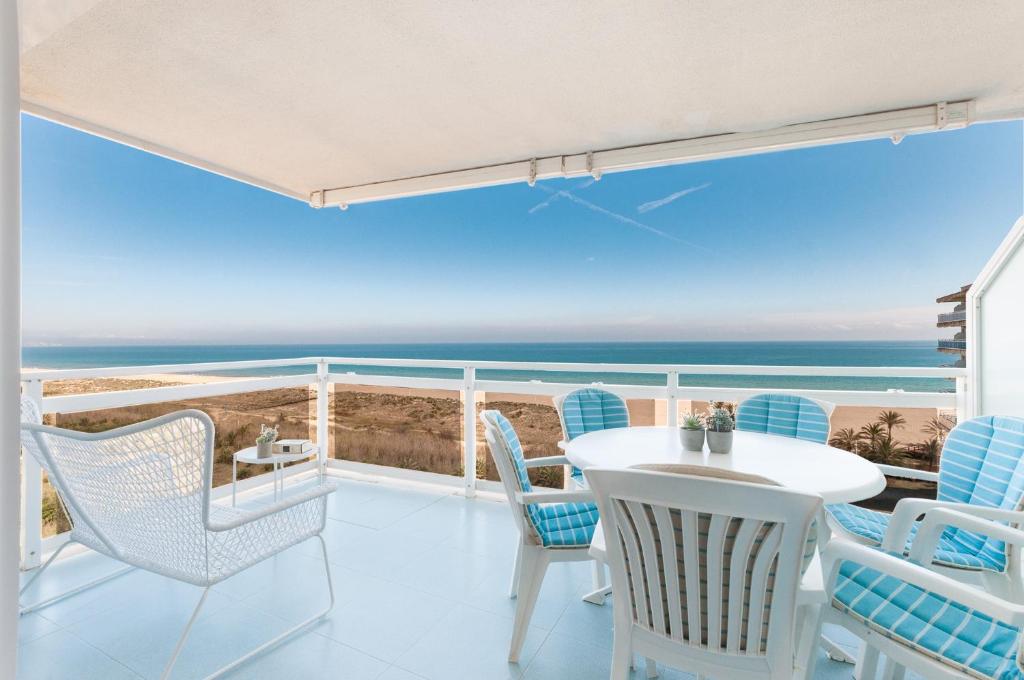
{"points": [[996, 330]]}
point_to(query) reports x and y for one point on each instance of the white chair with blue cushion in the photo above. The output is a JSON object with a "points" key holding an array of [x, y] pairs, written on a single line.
{"points": [[787, 415], [588, 410], [981, 472], [554, 526], [920, 619]]}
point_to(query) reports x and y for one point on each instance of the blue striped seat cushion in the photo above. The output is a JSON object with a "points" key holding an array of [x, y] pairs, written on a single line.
{"points": [[944, 630], [557, 524], [951, 552], [564, 525], [589, 410], [784, 414]]}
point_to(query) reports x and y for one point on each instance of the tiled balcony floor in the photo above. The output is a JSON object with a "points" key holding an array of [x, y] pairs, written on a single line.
{"points": [[421, 578]]}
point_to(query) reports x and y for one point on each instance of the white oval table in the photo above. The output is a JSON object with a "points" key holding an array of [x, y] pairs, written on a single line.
{"points": [[838, 476]]}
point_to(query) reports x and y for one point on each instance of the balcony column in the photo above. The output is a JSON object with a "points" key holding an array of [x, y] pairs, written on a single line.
{"points": [[10, 333], [469, 431]]}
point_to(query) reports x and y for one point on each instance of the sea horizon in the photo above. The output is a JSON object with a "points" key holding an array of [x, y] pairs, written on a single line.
{"points": [[839, 353]]}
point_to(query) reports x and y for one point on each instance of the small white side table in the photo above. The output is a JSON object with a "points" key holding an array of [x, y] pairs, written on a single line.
{"points": [[278, 460]]}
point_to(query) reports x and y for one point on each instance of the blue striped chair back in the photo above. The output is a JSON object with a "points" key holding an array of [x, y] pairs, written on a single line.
{"points": [[591, 409], [784, 414], [552, 525], [513, 450], [982, 464]]}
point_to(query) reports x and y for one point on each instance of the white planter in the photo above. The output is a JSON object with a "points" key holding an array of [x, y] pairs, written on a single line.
{"points": [[264, 449]]}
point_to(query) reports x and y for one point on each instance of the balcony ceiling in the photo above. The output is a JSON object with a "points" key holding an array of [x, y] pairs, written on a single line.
{"points": [[303, 96]]}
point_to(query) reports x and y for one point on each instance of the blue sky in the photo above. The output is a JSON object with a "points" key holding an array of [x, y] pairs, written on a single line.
{"points": [[853, 241]]}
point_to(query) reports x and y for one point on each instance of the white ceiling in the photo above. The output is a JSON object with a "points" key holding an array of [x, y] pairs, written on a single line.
{"points": [[304, 95]]}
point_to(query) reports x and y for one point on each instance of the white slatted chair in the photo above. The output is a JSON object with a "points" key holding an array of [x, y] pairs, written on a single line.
{"points": [[709, 570], [141, 495], [919, 618], [554, 526]]}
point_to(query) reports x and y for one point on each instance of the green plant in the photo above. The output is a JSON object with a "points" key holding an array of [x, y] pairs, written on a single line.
{"points": [[720, 420], [692, 421], [267, 435]]}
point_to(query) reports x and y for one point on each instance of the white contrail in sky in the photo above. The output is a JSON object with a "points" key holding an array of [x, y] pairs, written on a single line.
{"points": [[614, 215], [652, 205], [556, 195]]}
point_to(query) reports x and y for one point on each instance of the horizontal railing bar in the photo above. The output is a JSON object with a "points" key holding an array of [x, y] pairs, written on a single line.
{"points": [[395, 381], [118, 371], [76, 403], [895, 398], [577, 367], [552, 389], [686, 369], [838, 397], [908, 473]]}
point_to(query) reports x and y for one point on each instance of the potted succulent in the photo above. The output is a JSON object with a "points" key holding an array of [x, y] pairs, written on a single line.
{"points": [[720, 426], [691, 434], [265, 441]]}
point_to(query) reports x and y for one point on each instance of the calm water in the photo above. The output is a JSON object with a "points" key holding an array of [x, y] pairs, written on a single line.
{"points": [[867, 353]]}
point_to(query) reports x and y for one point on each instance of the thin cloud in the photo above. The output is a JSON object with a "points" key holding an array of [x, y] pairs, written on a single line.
{"points": [[616, 216], [653, 205]]}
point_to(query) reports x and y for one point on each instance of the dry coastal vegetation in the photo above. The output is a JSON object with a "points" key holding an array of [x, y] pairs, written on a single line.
{"points": [[422, 430]]}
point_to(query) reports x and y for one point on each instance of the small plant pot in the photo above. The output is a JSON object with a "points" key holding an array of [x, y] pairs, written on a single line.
{"points": [[692, 440], [720, 442], [264, 449]]}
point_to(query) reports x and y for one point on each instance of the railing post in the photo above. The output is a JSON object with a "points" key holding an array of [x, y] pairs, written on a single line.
{"points": [[672, 412], [469, 430], [962, 400], [31, 492], [323, 432]]}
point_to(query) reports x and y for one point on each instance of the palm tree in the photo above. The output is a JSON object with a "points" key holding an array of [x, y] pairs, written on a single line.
{"points": [[939, 426], [887, 451], [873, 433], [847, 439], [930, 451], [891, 420]]}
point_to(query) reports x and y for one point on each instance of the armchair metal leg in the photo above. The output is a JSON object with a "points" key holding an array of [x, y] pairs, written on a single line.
{"points": [[265, 646], [63, 596]]}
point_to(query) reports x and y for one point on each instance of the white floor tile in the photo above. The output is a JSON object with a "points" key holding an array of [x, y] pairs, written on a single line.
{"points": [[469, 643], [311, 656], [385, 619], [61, 656]]}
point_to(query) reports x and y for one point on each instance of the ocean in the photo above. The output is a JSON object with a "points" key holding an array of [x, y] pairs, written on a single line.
{"points": [[861, 353]]}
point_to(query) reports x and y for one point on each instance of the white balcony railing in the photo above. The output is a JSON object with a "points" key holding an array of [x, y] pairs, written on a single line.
{"points": [[464, 379]]}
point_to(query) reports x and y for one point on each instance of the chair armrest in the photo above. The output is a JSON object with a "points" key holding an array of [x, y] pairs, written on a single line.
{"points": [[244, 518], [936, 521], [547, 461], [581, 496], [907, 511], [922, 577]]}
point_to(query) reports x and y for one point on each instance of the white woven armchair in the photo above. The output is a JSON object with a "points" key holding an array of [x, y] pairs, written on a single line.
{"points": [[141, 494]]}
